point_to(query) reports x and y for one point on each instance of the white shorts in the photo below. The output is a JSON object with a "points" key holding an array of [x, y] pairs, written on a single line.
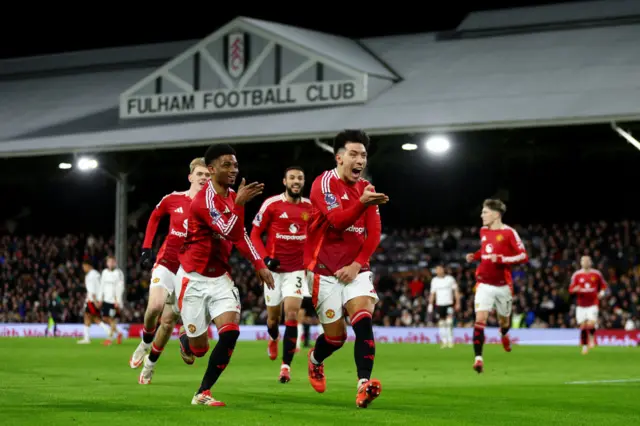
{"points": [[162, 277], [202, 299], [332, 294], [490, 296], [586, 313], [286, 284]]}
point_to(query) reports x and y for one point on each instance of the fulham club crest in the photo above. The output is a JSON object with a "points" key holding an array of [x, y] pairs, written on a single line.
{"points": [[236, 57]]}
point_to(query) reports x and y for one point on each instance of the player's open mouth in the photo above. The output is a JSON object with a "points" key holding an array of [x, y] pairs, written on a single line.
{"points": [[356, 172]]}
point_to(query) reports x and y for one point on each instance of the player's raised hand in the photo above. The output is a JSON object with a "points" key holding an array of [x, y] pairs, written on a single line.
{"points": [[469, 257], [264, 275], [371, 198], [248, 192]]}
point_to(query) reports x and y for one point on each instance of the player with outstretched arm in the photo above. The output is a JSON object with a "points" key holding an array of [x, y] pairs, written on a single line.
{"points": [[207, 292], [343, 233], [162, 312]]}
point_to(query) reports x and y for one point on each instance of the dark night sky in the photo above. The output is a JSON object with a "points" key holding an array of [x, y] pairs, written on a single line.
{"points": [[108, 25], [547, 174]]}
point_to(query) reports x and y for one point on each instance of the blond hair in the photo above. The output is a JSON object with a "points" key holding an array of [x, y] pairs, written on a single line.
{"points": [[197, 162]]}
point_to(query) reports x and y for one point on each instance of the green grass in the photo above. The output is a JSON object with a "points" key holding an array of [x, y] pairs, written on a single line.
{"points": [[57, 382]]}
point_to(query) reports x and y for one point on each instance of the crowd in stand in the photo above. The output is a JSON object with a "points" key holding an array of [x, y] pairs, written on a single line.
{"points": [[38, 272]]}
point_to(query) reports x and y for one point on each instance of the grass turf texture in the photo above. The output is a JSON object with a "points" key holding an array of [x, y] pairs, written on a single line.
{"points": [[57, 382]]}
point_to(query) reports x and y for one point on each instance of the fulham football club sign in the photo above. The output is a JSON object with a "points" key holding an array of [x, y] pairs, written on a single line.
{"points": [[236, 71]]}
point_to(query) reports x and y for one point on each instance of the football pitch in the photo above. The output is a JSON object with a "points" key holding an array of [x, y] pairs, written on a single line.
{"points": [[57, 382]]}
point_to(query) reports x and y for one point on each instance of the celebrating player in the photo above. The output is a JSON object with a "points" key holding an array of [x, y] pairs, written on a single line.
{"points": [[443, 290], [589, 285], [91, 311], [284, 217], [216, 223], [110, 296], [162, 299], [500, 248], [343, 233]]}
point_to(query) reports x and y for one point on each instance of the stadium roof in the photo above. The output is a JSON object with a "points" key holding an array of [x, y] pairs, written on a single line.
{"points": [[465, 79]]}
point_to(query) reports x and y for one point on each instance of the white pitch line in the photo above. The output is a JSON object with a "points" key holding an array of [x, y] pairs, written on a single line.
{"points": [[588, 382]]}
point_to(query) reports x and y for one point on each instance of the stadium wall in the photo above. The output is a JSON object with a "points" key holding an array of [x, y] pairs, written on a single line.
{"points": [[526, 336]]}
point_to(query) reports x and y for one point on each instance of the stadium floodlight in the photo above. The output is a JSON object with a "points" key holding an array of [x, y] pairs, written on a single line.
{"points": [[86, 163], [409, 146], [64, 166], [437, 144]]}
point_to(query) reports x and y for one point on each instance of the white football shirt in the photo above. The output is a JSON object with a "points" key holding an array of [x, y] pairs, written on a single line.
{"points": [[443, 289], [92, 282], [111, 286]]}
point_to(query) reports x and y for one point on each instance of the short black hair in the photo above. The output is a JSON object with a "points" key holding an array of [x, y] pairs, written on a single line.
{"points": [[350, 135], [293, 168], [216, 151]]}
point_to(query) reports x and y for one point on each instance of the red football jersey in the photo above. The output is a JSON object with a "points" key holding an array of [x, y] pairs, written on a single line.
{"points": [[176, 205], [286, 227], [587, 284], [506, 244], [342, 230], [215, 225]]}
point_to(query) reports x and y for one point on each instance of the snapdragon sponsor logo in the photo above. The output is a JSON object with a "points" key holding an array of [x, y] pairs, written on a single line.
{"points": [[178, 233], [356, 229], [290, 237]]}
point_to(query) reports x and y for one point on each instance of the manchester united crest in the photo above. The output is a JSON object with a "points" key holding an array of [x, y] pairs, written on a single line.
{"points": [[330, 313], [191, 328], [305, 216], [499, 238]]}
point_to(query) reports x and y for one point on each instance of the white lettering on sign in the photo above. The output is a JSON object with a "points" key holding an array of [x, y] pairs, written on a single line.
{"points": [[257, 98]]}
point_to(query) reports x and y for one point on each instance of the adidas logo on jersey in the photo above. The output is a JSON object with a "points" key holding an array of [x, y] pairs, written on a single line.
{"points": [[178, 210], [226, 210], [345, 196], [284, 216]]}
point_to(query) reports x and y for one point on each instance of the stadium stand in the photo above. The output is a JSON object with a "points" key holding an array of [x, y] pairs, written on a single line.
{"points": [[38, 269]]}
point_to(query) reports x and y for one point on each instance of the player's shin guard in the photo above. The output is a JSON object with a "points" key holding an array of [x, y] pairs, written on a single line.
{"points": [[478, 338], [221, 355], [289, 341], [365, 345], [155, 353], [148, 335], [325, 346], [584, 339]]}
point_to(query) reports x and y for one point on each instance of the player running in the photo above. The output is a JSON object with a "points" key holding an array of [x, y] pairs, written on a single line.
{"points": [[444, 292], [589, 285], [343, 233], [110, 297], [207, 292], [162, 312], [91, 311], [284, 218], [500, 248]]}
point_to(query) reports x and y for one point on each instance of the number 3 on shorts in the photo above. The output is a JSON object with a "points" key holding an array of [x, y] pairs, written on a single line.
{"points": [[299, 283]]}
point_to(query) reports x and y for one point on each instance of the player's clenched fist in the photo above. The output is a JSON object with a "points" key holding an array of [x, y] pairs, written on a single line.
{"points": [[371, 198], [248, 192], [469, 257], [265, 276]]}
